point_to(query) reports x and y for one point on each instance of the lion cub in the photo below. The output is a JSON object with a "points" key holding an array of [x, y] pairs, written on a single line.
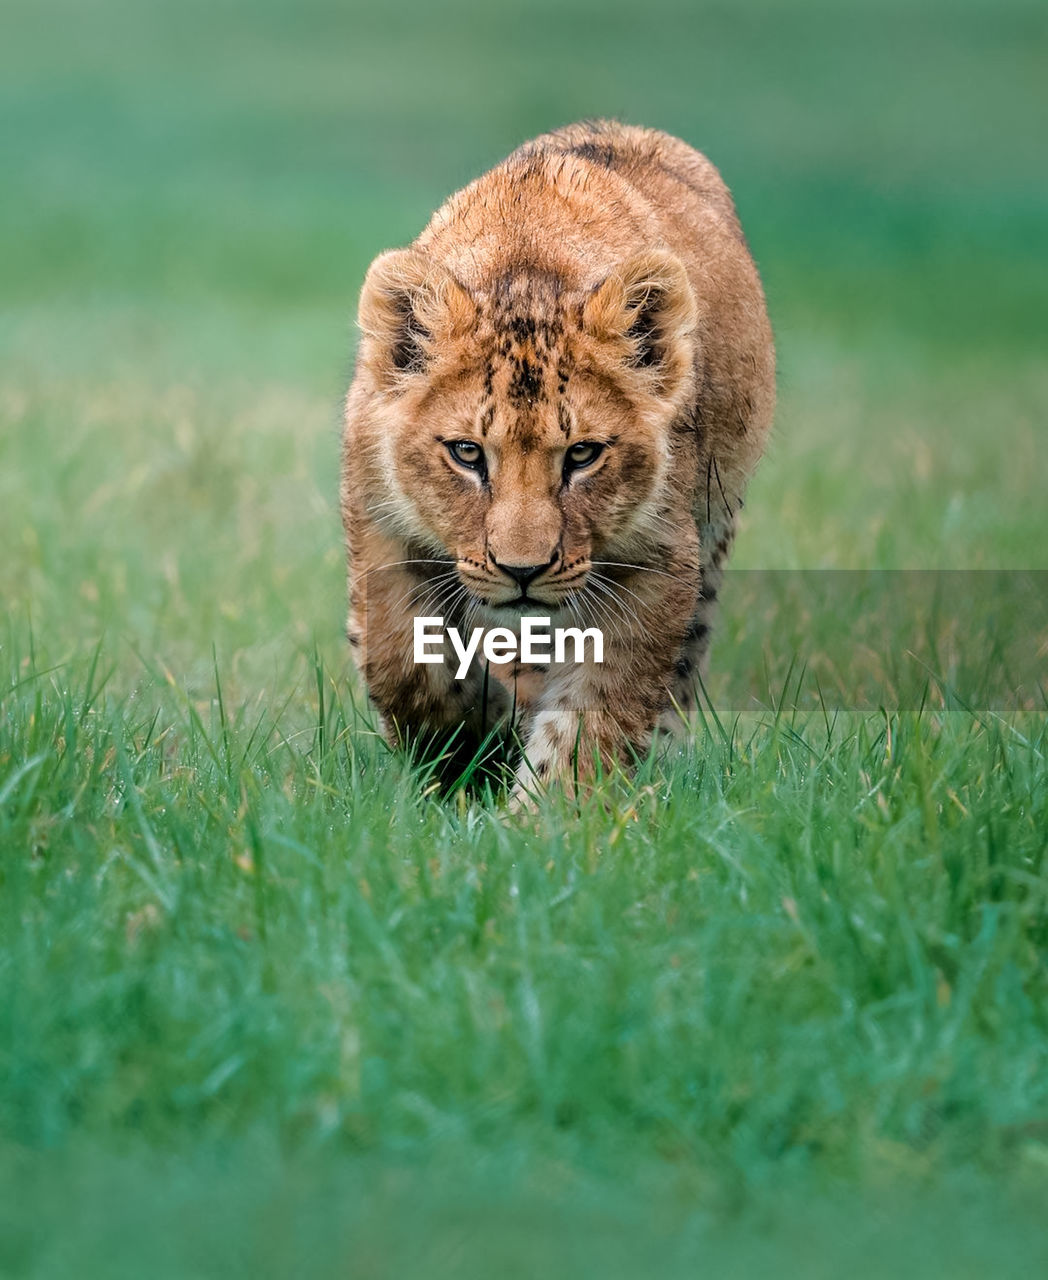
{"points": [[561, 390]]}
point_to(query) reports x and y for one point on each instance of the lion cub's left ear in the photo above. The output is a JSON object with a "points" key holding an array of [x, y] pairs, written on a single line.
{"points": [[409, 306], [647, 305]]}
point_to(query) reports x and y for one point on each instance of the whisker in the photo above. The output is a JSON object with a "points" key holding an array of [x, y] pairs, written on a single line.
{"points": [[642, 568], [395, 564], [407, 598], [716, 471], [624, 609], [447, 596], [436, 591], [612, 584], [610, 595], [605, 615]]}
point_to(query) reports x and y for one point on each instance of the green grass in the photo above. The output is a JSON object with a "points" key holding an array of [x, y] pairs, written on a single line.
{"points": [[269, 1006]]}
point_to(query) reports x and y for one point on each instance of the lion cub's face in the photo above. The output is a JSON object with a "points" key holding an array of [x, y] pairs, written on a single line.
{"points": [[523, 431]]}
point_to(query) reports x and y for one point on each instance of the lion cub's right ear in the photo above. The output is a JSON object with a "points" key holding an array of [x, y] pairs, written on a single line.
{"points": [[409, 304]]}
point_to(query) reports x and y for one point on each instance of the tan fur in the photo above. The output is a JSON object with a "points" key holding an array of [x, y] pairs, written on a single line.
{"points": [[594, 287]]}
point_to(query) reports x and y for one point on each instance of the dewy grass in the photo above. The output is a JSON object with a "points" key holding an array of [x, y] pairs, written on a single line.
{"points": [[803, 939], [807, 948], [277, 1001]]}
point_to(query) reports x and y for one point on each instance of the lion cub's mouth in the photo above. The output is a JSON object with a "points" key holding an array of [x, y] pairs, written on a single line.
{"points": [[525, 603]]}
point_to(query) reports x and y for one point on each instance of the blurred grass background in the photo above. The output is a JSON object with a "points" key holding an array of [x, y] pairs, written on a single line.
{"points": [[189, 196]]}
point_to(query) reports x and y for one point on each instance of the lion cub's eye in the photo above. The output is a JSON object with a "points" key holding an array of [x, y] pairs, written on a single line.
{"points": [[467, 453], [582, 454]]}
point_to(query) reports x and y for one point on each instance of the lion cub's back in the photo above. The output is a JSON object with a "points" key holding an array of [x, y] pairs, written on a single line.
{"points": [[696, 216], [674, 178]]}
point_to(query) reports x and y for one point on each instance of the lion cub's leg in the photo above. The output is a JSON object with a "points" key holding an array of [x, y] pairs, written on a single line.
{"points": [[415, 700]]}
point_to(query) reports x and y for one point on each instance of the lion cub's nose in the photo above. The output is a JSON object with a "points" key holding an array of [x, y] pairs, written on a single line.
{"points": [[524, 573]]}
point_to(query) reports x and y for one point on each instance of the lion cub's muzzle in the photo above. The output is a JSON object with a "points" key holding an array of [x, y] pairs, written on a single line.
{"points": [[505, 582]]}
